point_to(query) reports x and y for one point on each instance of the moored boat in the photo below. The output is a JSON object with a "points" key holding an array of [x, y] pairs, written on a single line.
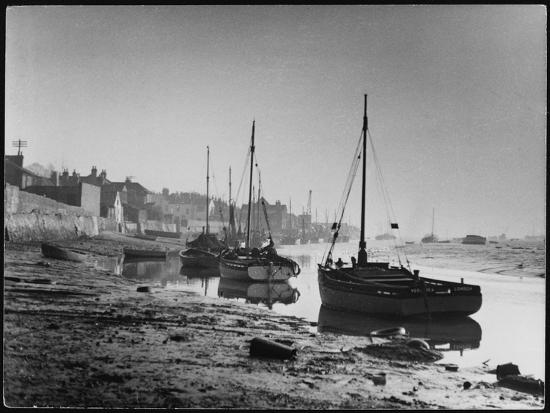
{"points": [[257, 264], [200, 258], [380, 288], [474, 240], [204, 251], [147, 237], [165, 234], [144, 254], [59, 253]]}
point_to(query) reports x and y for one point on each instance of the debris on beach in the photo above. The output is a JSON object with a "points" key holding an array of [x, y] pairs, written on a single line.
{"points": [[507, 369], [399, 350], [523, 383], [418, 343], [379, 379], [261, 347], [144, 289]]}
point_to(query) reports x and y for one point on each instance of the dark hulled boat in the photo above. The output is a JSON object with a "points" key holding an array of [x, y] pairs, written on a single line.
{"points": [[59, 253], [379, 288], [474, 240], [164, 234], [204, 251], [143, 254]]}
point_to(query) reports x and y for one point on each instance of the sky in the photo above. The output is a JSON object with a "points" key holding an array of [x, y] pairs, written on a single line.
{"points": [[456, 104]]}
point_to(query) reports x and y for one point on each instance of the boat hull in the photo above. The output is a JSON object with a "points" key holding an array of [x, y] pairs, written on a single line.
{"points": [[244, 269], [52, 251], [345, 296], [164, 234], [194, 258], [132, 253]]}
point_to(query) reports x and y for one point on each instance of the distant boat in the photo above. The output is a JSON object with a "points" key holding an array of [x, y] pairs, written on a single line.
{"points": [[431, 238], [147, 237], [136, 253], [165, 234], [289, 239], [378, 288], [385, 236], [256, 264], [343, 238], [289, 236], [474, 239], [409, 242], [60, 253]]}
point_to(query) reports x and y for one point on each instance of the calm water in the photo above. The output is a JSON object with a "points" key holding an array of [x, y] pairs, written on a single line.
{"points": [[509, 327]]}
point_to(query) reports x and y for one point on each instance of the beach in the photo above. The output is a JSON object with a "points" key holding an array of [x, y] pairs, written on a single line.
{"points": [[76, 335]]}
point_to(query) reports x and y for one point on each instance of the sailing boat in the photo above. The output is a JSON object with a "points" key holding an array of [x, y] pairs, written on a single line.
{"points": [[203, 251], [232, 237], [430, 238], [289, 236], [254, 263], [378, 288]]}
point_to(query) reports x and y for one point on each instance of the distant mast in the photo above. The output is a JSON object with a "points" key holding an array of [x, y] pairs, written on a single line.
{"points": [[229, 185], [433, 219], [362, 255], [207, 182], [247, 245]]}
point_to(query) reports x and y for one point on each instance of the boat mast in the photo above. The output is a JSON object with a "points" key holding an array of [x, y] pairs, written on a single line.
{"points": [[433, 216], [207, 182], [247, 245], [290, 215], [362, 255], [259, 222]]}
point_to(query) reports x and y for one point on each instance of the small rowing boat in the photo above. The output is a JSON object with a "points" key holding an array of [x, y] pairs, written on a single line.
{"points": [[59, 253], [136, 253]]}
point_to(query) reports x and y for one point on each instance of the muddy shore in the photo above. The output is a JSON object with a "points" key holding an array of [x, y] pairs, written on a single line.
{"points": [[78, 336]]}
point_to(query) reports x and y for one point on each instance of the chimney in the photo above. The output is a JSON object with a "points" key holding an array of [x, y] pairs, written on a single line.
{"points": [[54, 176], [94, 171], [128, 180]]}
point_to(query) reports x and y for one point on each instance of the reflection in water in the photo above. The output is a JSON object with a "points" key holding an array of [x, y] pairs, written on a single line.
{"points": [[199, 272], [451, 334], [159, 270], [303, 260], [204, 275], [255, 293]]}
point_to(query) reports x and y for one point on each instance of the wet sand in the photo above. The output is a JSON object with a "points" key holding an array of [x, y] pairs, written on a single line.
{"points": [[78, 336]]}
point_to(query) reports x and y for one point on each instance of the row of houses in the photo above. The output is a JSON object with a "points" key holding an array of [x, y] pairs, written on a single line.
{"points": [[128, 201], [122, 201]]}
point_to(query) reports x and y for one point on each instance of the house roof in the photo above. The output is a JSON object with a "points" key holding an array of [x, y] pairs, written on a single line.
{"points": [[133, 186], [11, 164]]}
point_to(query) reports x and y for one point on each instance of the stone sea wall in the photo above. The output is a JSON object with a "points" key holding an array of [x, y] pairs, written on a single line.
{"points": [[30, 217]]}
